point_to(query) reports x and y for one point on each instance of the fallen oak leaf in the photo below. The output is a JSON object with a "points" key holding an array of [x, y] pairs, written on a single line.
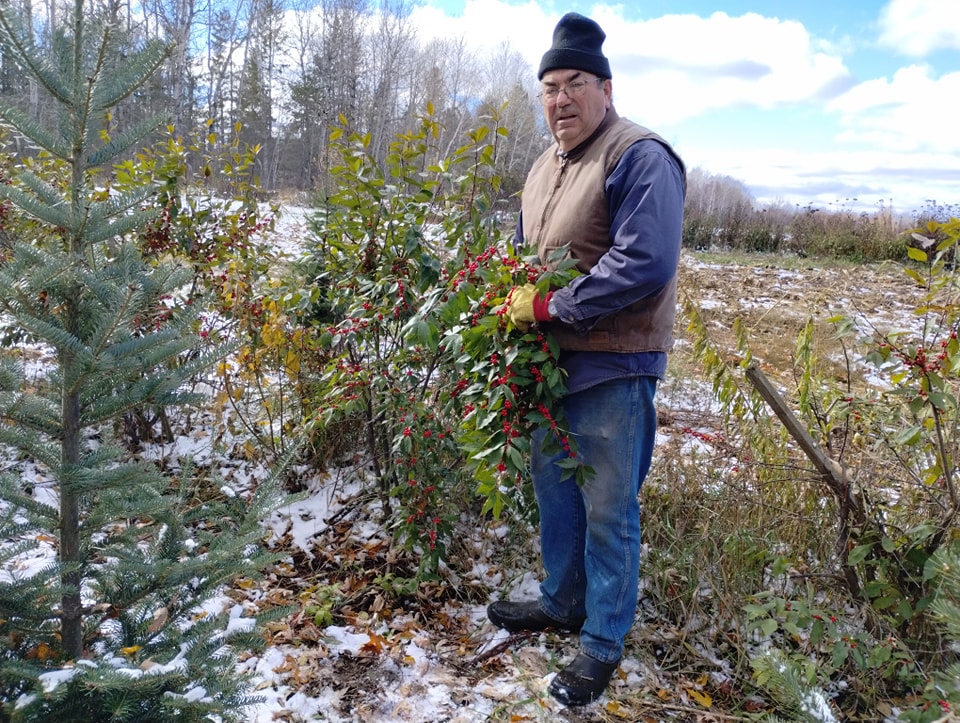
{"points": [[375, 645]]}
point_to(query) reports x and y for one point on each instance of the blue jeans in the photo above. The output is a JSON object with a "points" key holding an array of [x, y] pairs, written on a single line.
{"points": [[590, 535]]}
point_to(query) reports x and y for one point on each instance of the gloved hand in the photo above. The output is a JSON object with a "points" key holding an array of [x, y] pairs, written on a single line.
{"points": [[525, 305]]}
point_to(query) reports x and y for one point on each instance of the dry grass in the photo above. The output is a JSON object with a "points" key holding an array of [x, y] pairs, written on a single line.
{"points": [[776, 301]]}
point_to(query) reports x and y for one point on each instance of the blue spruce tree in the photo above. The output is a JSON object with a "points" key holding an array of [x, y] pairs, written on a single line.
{"points": [[113, 630]]}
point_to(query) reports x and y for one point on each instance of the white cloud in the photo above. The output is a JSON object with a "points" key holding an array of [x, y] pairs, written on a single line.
{"points": [[911, 112], [668, 68], [853, 179], [685, 65], [918, 27], [486, 24]]}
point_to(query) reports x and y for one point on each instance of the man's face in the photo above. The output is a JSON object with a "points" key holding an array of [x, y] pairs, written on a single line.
{"points": [[573, 116]]}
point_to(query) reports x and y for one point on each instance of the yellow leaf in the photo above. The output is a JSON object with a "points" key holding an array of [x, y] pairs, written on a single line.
{"points": [[702, 698], [614, 708], [293, 363], [41, 652], [916, 254], [132, 650]]}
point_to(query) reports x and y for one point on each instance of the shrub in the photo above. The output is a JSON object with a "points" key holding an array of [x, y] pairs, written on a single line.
{"points": [[412, 268]]}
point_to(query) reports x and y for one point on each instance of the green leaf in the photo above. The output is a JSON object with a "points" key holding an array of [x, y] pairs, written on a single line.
{"points": [[917, 254], [840, 651], [882, 603], [879, 654], [916, 276], [859, 553], [754, 611], [908, 436], [428, 335], [876, 588], [516, 458], [942, 402], [816, 632], [904, 611]]}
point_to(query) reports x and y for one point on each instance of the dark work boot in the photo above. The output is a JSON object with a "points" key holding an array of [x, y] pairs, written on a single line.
{"points": [[517, 616], [583, 681]]}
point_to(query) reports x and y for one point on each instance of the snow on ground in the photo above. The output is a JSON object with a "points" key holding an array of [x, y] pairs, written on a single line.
{"points": [[408, 678]]}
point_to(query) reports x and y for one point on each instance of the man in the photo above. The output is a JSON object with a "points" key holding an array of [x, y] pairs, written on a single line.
{"points": [[612, 192]]}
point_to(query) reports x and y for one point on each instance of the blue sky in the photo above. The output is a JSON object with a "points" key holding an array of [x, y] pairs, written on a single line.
{"points": [[833, 103]]}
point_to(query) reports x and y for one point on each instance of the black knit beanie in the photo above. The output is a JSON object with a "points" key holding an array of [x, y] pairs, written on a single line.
{"points": [[576, 46]]}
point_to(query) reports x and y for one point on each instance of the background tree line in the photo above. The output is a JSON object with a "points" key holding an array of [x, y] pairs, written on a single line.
{"points": [[720, 214], [279, 74]]}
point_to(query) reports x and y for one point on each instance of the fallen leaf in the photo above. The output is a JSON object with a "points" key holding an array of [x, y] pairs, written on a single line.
{"points": [[374, 645], [42, 651], [703, 699], [159, 619]]}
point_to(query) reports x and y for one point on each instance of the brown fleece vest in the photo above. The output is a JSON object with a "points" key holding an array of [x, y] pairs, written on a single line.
{"points": [[564, 204]]}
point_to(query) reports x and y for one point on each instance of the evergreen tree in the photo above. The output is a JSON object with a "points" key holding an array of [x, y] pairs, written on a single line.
{"points": [[123, 626]]}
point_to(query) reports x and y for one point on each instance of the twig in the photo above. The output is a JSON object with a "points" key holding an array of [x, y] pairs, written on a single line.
{"points": [[496, 649], [698, 711]]}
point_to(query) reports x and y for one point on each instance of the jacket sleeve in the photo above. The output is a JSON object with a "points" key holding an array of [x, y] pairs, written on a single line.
{"points": [[645, 194]]}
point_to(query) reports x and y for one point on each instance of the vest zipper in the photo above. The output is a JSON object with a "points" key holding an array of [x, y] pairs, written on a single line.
{"points": [[553, 193]]}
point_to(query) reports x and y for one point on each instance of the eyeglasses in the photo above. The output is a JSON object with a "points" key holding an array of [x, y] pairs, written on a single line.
{"points": [[573, 89]]}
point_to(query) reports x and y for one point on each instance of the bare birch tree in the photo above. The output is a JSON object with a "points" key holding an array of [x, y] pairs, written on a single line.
{"points": [[390, 48]]}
